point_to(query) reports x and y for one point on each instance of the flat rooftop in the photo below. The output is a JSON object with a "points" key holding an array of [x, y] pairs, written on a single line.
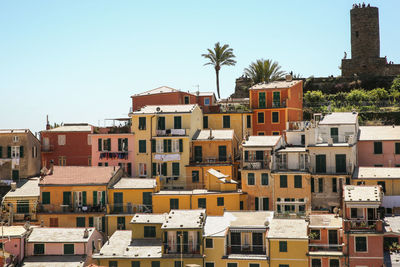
{"points": [[59, 235], [196, 192], [25, 188], [54, 261], [292, 150], [12, 231], [379, 133], [149, 218], [79, 175], [185, 219], [213, 135], [376, 173], [261, 141], [135, 183], [72, 127], [325, 221], [288, 229], [339, 118], [362, 193], [121, 246], [275, 85], [392, 224], [162, 109]]}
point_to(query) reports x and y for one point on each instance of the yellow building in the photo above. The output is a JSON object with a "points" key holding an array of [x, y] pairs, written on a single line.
{"points": [[256, 166], [216, 149], [240, 122], [75, 196], [20, 203], [126, 197], [237, 239], [163, 134], [166, 240], [288, 243]]}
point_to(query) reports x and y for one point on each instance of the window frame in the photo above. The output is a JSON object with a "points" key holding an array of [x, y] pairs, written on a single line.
{"points": [[283, 246], [263, 117], [272, 117], [378, 148], [281, 184], [226, 119], [366, 244], [253, 179]]}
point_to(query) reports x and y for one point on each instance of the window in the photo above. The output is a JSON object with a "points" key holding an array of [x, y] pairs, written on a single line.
{"points": [[320, 185], [334, 185], [250, 179], [231, 264], [361, 243], [161, 123], [340, 163], [316, 234], [22, 206], [142, 146], [260, 133], [201, 203], [135, 263], [123, 144], [312, 185], [275, 133], [283, 181], [45, 197], [226, 122], [62, 161], [186, 100], [80, 221], [220, 201], [107, 144], [142, 169], [195, 176], [113, 264], [38, 249], [377, 147], [260, 117], [248, 120], [167, 145], [178, 264], [303, 139], [175, 168], [209, 243], [356, 213], [335, 135], [256, 203], [275, 117], [264, 178], [265, 203], [283, 265], [209, 264], [261, 100], [320, 162], [205, 122], [177, 122], [34, 152], [155, 264], [69, 249], [334, 263], [174, 203], [383, 184], [254, 265], [15, 152], [149, 231], [61, 140], [397, 148], [206, 101], [121, 223], [298, 181], [176, 145], [142, 123], [276, 99], [316, 263], [15, 139], [222, 153], [282, 246]]}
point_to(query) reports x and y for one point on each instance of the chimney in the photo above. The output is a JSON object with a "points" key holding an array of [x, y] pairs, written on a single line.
{"points": [[47, 123], [211, 136], [51, 167], [86, 233], [288, 78], [13, 186], [99, 244]]}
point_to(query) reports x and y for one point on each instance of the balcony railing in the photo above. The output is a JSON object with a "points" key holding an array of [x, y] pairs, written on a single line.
{"points": [[171, 132], [246, 249], [363, 225], [211, 160], [187, 249], [326, 247], [255, 165], [284, 167], [52, 208], [128, 208]]}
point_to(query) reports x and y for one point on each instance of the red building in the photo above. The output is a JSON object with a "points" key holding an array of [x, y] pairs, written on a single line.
{"points": [[275, 104], [67, 145], [165, 95]]}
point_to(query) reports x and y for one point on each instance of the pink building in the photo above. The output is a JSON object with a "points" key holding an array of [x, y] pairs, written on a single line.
{"points": [[113, 149], [13, 243], [45, 244], [379, 146]]}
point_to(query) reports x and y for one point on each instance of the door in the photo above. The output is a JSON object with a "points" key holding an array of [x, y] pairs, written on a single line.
{"points": [[333, 237], [258, 243], [370, 216], [15, 175], [147, 201], [335, 135], [265, 203], [340, 163], [320, 162], [118, 200], [235, 242]]}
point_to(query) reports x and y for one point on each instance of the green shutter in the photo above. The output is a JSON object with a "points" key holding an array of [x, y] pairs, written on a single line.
{"points": [[45, 197], [264, 179], [198, 154], [320, 163], [165, 145], [80, 222], [119, 144], [164, 169], [91, 221], [205, 122], [297, 181], [201, 203], [180, 145], [94, 197], [154, 169], [283, 181], [276, 99], [175, 168], [84, 198], [261, 100], [9, 152], [169, 145], [100, 144], [256, 203], [68, 249], [66, 198], [38, 249], [21, 151], [177, 122], [222, 153], [377, 147], [340, 163], [142, 146], [153, 145], [397, 148], [1, 152], [103, 198]]}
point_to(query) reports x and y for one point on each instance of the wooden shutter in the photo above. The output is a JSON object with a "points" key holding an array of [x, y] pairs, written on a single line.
{"points": [[103, 197], [154, 169], [164, 169], [169, 142], [21, 151], [100, 144], [119, 144], [45, 197], [1, 151], [9, 152], [180, 145], [94, 197], [153, 145], [84, 198]]}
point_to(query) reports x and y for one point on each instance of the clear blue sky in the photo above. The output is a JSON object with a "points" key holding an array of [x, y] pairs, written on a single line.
{"points": [[80, 61]]}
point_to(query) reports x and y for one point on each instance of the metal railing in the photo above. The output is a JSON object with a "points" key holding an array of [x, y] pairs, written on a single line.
{"points": [[211, 160], [255, 165], [128, 208], [284, 167], [52, 208], [187, 248], [246, 249], [363, 225], [326, 247], [171, 132]]}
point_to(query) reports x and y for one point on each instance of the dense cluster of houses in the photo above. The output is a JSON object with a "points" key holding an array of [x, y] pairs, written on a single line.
{"points": [[187, 180]]}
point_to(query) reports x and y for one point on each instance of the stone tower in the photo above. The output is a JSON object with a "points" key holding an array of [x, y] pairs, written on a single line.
{"points": [[365, 45]]}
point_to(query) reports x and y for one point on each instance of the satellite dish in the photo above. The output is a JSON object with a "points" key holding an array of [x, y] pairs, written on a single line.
{"points": [[158, 109], [266, 223]]}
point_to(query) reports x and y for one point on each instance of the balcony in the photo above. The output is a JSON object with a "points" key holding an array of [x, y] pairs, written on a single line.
{"points": [[171, 132], [128, 208], [255, 165], [211, 161], [47, 148], [296, 125], [187, 250], [325, 248], [52, 208], [356, 225], [284, 167], [246, 249]]}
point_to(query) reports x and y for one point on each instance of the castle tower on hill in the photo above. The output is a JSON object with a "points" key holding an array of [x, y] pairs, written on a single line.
{"points": [[365, 45]]}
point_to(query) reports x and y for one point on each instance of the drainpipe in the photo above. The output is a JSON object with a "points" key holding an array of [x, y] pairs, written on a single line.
{"points": [[151, 139], [269, 252]]}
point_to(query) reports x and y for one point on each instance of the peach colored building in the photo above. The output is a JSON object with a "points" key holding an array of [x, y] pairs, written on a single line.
{"points": [[13, 243], [379, 146], [114, 149]]}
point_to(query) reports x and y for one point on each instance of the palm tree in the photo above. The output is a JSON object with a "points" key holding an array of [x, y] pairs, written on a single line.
{"points": [[264, 70], [218, 57]]}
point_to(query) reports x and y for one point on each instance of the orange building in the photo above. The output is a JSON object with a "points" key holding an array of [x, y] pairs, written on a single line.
{"points": [[274, 104]]}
